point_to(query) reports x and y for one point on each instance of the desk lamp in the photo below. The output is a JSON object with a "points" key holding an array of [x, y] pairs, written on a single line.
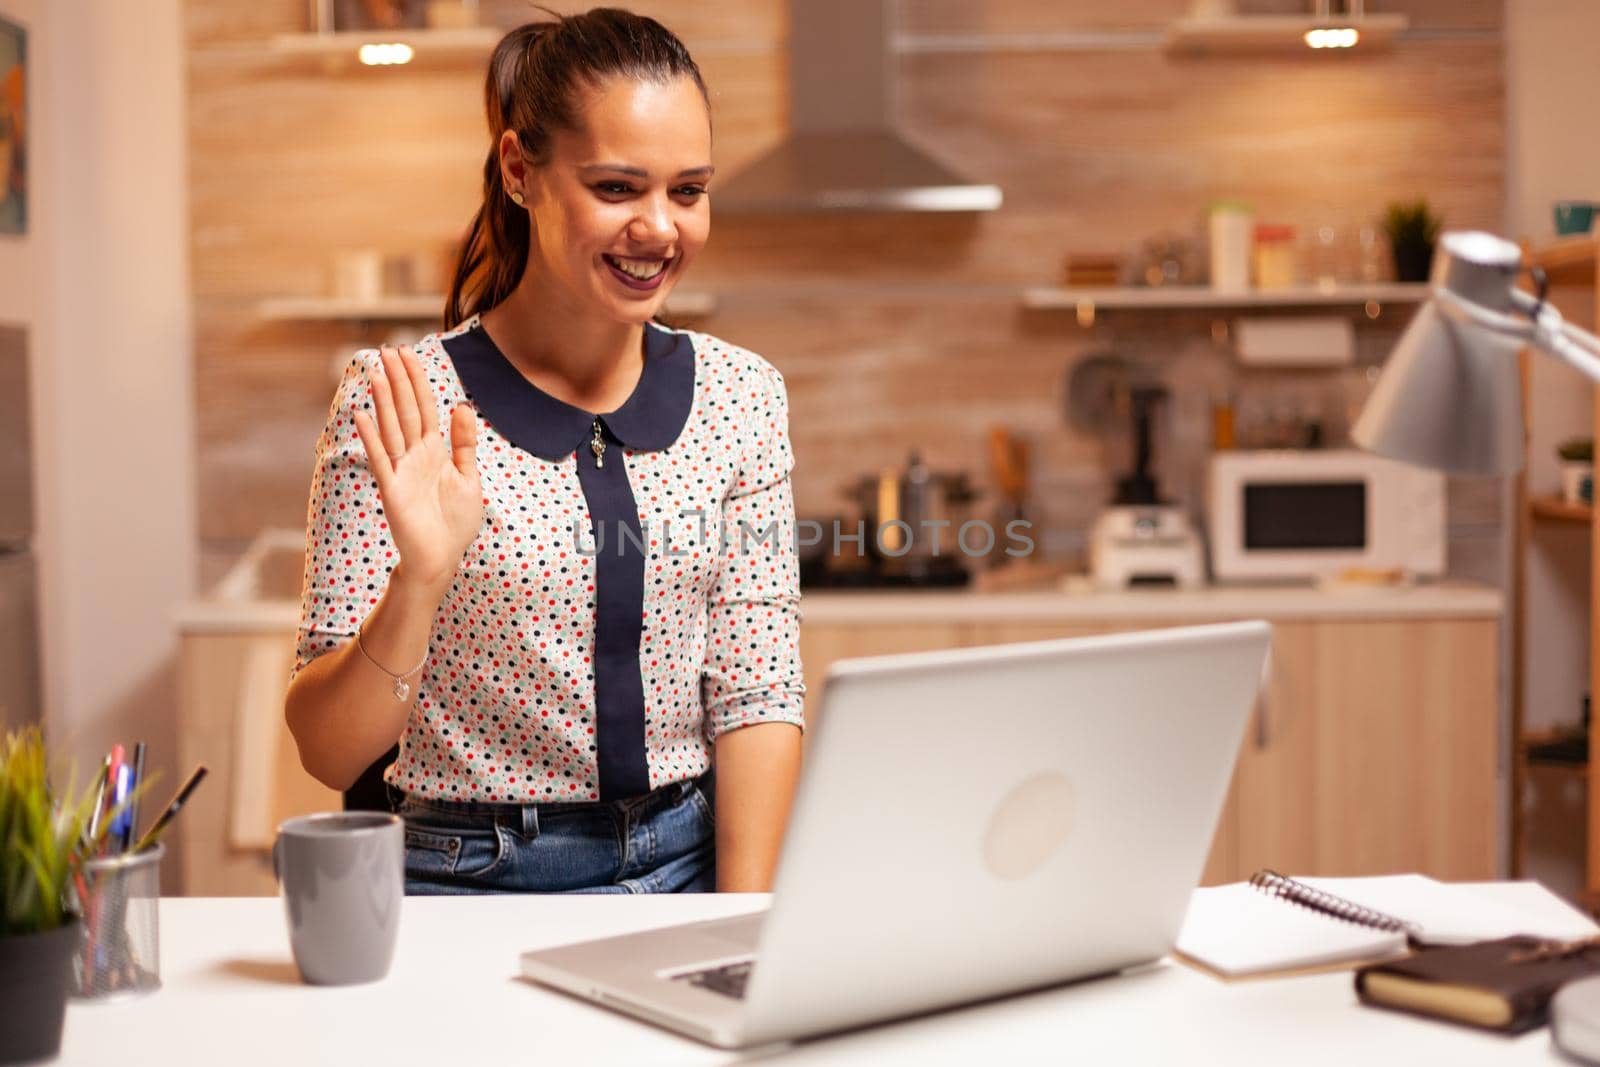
{"points": [[1449, 397]]}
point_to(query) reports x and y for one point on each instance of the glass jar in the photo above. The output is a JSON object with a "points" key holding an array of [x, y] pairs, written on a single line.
{"points": [[1274, 256]]}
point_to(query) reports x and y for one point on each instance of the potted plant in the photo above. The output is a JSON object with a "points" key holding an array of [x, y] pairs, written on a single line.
{"points": [[1577, 470], [43, 844], [1413, 230]]}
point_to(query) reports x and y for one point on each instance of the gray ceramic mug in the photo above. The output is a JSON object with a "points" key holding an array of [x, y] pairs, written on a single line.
{"points": [[343, 878]]}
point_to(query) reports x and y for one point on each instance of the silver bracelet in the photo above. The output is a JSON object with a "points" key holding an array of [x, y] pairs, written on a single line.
{"points": [[402, 688]]}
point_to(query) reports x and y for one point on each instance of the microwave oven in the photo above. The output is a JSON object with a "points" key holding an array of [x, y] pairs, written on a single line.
{"points": [[1288, 515]]}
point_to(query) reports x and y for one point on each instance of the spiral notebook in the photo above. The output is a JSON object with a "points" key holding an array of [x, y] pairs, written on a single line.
{"points": [[1272, 924]]}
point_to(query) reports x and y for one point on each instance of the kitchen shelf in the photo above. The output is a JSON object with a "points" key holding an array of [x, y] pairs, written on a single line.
{"points": [[1202, 296], [1567, 261], [425, 306], [1555, 509], [341, 50], [1570, 264], [1278, 33], [1534, 738]]}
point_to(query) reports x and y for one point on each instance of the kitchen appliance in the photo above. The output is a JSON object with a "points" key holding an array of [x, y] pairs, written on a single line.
{"points": [[843, 152], [19, 598], [1142, 539], [1288, 515], [913, 532], [1149, 545]]}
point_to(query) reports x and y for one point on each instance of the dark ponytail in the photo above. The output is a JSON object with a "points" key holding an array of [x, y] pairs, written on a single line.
{"points": [[532, 87]]}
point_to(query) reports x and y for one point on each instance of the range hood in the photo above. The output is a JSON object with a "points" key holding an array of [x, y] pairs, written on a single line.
{"points": [[842, 153]]}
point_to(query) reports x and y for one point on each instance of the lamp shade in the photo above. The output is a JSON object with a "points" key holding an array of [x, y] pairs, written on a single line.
{"points": [[1450, 396], [1449, 399]]}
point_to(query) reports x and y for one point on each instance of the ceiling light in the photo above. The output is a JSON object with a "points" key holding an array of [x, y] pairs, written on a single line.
{"points": [[383, 55], [1333, 37]]}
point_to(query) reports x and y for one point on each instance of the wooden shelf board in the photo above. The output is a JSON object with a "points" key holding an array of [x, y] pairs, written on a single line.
{"points": [[1555, 509], [1276, 33], [1531, 738], [422, 307], [1576, 770], [1567, 261], [1201, 296]]}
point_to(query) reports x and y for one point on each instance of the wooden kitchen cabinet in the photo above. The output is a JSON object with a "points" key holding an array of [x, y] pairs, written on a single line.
{"points": [[231, 687], [821, 645], [1373, 751]]}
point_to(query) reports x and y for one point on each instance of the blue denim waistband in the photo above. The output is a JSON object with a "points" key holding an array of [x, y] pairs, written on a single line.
{"points": [[672, 790]]}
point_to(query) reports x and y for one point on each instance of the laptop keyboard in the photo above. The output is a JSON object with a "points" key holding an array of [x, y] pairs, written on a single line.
{"points": [[729, 979]]}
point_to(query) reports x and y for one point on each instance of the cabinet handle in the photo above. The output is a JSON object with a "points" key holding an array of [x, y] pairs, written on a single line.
{"points": [[1264, 705]]}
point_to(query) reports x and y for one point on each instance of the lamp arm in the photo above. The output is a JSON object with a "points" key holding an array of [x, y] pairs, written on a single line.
{"points": [[1543, 328], [1572, 345]]}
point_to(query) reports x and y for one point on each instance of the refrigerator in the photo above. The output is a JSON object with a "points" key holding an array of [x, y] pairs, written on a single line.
{"points": [[19, 589]]}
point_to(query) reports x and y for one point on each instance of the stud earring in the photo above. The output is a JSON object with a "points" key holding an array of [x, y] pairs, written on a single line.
{"points": [[516, 198]]}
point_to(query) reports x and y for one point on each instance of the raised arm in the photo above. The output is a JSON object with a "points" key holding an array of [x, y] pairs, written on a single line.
{"points": [[394, 507]]}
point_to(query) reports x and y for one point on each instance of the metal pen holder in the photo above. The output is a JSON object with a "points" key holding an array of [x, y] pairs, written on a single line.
{"points": [[119, 901]]}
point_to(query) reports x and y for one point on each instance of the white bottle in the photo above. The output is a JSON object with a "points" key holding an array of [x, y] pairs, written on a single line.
{"points": [[1232, 228]]}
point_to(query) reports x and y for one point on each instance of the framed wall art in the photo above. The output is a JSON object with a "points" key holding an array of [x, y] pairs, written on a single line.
{"points": [[13, 128]]}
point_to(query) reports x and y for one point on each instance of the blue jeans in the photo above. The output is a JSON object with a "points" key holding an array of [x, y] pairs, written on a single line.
{"points": [[662, 842]]}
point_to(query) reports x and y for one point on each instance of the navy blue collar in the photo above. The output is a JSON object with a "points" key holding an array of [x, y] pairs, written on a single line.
{"points": [[533, 420]]}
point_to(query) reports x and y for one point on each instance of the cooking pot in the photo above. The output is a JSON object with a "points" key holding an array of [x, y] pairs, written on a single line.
{"points": [[914, 516]]}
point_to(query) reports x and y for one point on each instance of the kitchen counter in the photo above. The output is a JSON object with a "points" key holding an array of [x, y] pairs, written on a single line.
{"points": [[1437, 601], [1444, 600]]}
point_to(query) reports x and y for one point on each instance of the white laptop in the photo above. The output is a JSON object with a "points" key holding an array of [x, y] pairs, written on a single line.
{"points": [[968, 824]]}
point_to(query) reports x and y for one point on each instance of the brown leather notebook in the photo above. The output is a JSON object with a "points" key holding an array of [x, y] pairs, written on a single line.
{"points": [[1502, 985]]}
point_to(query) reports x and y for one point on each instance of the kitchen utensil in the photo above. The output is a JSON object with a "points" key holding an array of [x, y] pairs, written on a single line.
{"points": [[1009, 457], [1091, 392], [914, 516]]}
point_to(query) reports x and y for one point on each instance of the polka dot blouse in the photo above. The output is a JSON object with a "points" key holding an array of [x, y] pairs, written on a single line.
{"points": [[632, 594]]}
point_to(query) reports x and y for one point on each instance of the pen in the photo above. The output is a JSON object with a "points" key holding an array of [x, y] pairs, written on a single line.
{"points": [[130, 825], [119, 800], [115, 771], [99, 799], [166, 816]]}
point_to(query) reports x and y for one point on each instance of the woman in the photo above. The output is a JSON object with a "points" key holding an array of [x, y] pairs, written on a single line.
{"points": [[550, 548]]}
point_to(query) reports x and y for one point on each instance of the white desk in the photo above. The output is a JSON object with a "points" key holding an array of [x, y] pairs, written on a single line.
{"points": [[231, 996]]}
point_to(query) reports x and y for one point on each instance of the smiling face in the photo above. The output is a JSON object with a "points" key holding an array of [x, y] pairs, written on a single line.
{"points": [[619, 209]]}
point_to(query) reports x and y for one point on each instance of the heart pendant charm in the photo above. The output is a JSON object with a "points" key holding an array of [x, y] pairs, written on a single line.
{"points": [[401, 689]]}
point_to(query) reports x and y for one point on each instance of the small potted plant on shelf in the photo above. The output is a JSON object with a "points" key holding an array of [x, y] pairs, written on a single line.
{"points": [[1577, 470], [1413, 230], [43, 844]]}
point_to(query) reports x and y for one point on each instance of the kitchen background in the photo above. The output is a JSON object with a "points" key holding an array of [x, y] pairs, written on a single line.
{"points": [[895, 332], [189, 177]]}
